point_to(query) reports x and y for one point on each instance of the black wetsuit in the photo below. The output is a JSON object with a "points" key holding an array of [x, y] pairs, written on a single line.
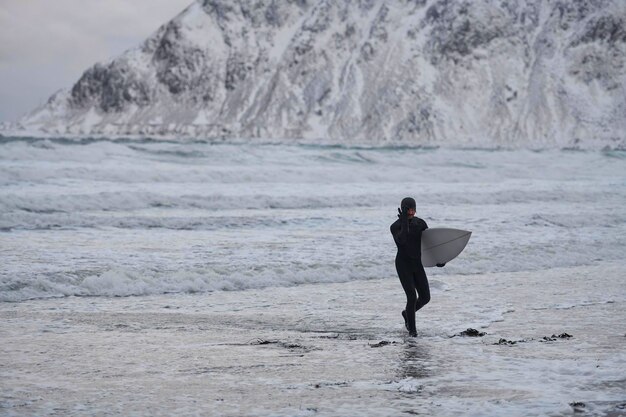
{"points": [[408, 238]]}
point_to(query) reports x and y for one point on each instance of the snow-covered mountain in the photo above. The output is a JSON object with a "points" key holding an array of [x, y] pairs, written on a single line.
{"points": [[534, 73]]}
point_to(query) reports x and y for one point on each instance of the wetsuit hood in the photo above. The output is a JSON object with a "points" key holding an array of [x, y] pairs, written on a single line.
{"points": [[407, 203]]}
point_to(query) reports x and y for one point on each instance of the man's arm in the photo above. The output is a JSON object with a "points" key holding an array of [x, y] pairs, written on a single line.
{"points": [[400, 235]]}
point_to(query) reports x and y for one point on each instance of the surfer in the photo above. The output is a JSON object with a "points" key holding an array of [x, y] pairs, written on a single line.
{"points": [[407, 233]]}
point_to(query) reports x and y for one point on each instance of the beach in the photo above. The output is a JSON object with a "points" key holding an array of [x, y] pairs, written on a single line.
{"points": [[326, 349], [159, 278]]}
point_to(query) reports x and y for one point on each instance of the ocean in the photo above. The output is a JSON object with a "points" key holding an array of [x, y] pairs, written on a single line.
{"points": [[257, 279]]}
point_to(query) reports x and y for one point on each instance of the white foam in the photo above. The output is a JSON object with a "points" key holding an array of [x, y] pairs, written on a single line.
{"points": [[127, 214], [254, 352], [120, 282]]}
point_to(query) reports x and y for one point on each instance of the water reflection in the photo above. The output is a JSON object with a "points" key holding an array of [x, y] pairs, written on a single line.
{"points": [[414, 361]]}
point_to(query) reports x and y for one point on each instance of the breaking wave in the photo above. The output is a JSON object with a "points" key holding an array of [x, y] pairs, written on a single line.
{"points": [[119, 217]]}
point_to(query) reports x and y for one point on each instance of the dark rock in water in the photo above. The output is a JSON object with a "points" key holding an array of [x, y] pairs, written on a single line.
{"points": [[578, 406], [263, 342], [292, 345], [554, 337], [286, 345], [331, 384], [505, 342], [330, 336], [471, 333], [382, 343]]}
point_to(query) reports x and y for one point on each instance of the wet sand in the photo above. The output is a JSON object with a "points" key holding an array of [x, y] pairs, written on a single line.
{"points": [[326, 349]]}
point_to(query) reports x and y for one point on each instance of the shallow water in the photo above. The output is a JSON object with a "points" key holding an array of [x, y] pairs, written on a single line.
{"points": [[326, 349], [160, 278]]}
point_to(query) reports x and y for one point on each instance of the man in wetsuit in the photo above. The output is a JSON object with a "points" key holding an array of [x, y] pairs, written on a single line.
{"points": [[407, 233]]}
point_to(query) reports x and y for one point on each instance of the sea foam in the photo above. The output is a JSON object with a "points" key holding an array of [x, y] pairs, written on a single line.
{"points": [[118, 218]]}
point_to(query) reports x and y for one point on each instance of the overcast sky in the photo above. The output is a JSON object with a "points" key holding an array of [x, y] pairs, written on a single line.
{"points": [[46, 45]]}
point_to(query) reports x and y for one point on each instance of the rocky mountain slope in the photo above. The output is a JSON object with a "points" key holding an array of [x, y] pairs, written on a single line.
{"points": [[534, 73]]}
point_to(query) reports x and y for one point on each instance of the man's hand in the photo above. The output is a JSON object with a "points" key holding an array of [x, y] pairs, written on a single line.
{"points": [[403, 213], [441, 265]]}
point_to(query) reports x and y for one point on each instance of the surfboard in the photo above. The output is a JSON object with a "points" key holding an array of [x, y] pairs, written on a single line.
{"points": [[441, 245]]}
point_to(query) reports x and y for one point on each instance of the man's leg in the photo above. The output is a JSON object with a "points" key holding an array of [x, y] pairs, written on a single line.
{"points": [[408, 284], [422, 287]]}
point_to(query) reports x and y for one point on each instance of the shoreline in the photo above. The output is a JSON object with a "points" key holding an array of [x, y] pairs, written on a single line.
{"points": [[325, 349], [177, 138]]}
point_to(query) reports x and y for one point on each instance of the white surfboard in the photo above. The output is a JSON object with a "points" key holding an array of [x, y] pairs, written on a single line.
{"points": [[441, 245]]}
